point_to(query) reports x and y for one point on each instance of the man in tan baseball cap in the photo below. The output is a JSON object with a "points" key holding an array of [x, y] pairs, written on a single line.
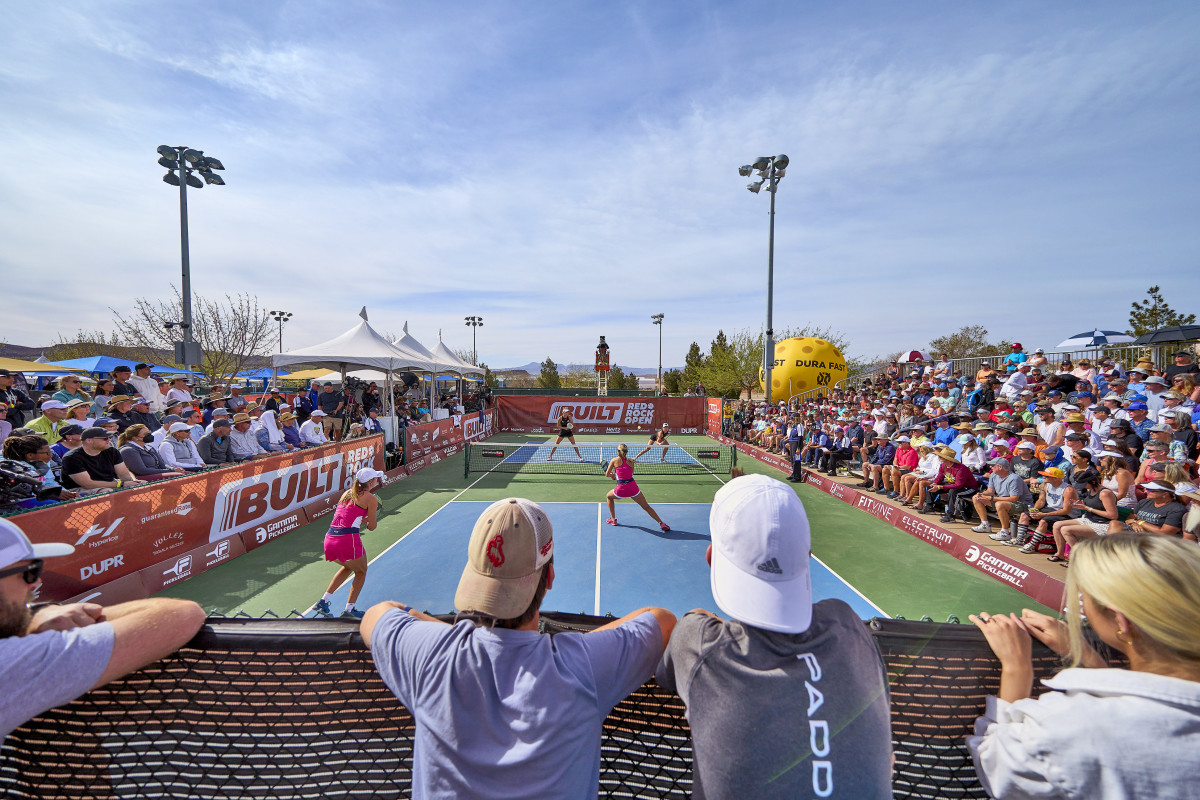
{"points": [[497, 703]]}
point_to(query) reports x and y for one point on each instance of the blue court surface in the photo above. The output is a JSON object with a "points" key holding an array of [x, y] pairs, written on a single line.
{"points": [[598, 568]]}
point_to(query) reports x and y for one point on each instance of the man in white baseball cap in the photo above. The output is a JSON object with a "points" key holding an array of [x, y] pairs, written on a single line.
{"points": [[787, 698], [501, 709], [51, 656]]}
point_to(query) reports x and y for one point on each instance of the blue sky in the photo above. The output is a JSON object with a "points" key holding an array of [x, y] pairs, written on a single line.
{"points": [[565, 170]]}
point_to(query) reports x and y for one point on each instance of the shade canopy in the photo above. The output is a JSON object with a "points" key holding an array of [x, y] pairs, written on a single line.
{"points": [[34, 368], [452, 363], [103, 365], [407, 342], [361, 346], [1175, 333], [1095, 338], [914, 355]]}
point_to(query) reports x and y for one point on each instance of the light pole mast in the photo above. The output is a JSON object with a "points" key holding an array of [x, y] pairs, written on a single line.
{"points": [[658, 318], [770, 171]]}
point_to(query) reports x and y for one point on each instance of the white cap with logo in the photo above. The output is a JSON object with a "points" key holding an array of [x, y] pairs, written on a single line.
{"points": [[761, 548], [15, 546]]}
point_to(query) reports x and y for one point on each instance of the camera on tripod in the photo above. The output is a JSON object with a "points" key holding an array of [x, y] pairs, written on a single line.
{"points": [[20, 482]]}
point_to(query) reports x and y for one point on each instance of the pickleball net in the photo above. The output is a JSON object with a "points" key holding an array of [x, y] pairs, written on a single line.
{"points": [[538, 458]]}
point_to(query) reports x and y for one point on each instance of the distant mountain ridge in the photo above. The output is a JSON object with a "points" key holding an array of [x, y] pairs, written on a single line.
{"points": [[535, 368]]}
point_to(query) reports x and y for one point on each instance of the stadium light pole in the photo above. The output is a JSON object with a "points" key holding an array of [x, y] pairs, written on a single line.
{"points": [[185, 161], [474, 322], [280, 317], [770, 171], [658, 318]]}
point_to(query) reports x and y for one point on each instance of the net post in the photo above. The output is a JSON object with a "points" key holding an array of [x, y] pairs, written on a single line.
{"points": [[467, 461]]}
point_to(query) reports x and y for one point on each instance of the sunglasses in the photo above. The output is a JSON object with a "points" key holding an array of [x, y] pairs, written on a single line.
{"points": [[30, 572]]}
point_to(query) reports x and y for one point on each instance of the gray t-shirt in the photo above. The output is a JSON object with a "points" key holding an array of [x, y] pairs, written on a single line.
{"points": [[1011, 485], [777, 715], [49, 669], [504, 713]]}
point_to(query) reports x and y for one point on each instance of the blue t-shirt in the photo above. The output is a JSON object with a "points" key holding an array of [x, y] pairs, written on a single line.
{"points": [[48, 669], [503, 713]]}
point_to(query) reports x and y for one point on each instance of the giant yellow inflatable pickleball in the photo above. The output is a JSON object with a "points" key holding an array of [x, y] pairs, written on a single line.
{"points": [[804, 364]]}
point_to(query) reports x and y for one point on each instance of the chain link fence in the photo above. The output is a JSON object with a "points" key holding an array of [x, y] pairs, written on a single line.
{"points": [[294, 709]]}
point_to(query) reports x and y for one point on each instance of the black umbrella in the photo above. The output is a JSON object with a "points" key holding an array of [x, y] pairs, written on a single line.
{"points": [[1175, 333]]}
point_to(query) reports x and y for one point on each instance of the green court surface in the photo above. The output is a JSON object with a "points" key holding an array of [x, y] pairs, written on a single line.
{"points": [[897, 572]]}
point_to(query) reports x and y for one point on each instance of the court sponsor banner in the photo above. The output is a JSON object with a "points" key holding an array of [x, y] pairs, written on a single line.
{"points": [[428, 437], [268, 530], [122, 590], [772, 459], [603, 415], [159, 576], [1032, 582], [714, 415], [119, 534]]}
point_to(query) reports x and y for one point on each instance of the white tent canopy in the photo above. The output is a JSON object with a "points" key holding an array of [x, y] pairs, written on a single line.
{"points": [[407, 342], [360, 346], [451, 362]]}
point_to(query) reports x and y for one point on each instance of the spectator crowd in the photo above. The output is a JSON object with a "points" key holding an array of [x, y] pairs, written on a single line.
{"points": [[138, 427], [1056, 452]]}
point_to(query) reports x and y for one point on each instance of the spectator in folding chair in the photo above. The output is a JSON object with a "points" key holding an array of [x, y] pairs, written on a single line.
{"points": [[1052, 505], [1005, 492], [914, 487], [885, 451], [954, 482], [787, 698], [903, 462], [1098, 516], [839, 450]]}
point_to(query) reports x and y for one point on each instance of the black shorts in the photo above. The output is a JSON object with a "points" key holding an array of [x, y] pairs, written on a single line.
{"points": [[656, 441], [566, 433]]}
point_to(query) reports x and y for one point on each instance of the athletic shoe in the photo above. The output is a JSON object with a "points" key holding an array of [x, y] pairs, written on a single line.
{"points": [[664, 526], [352, 613], [322, 607], [611, 521], [581, 458], [983, 527], [1002, 536], [1030, 548]]}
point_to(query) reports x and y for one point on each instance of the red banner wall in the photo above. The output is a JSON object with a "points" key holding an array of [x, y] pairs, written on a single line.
{"points": [[615, 415], [179, 525], [714, 416]]}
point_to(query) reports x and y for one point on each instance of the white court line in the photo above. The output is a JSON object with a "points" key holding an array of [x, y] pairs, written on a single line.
{"points": [[599, 531], [852, 588]]}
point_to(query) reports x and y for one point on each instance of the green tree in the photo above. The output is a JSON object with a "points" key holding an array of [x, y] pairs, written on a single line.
{"points": [[549, 377], [719, 345], [967, 342], [671, 380], [84, 344], [579, 376], [693, 363], [616, 377], [489, 377], [1147, 316]]}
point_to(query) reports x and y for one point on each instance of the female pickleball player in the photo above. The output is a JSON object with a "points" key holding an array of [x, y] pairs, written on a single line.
{"points": [[620, 469], [358, 508], [565, 431], [659, 438]]}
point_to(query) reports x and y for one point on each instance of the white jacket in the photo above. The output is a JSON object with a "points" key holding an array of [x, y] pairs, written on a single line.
{"points": [[1103, 734]]}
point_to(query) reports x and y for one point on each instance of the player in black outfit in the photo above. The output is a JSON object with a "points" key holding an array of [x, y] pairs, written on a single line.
{"points": [[565, 431], [659, 438]]}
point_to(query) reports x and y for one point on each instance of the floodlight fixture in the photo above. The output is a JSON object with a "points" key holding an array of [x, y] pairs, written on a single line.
{"points": [[213, 163], [193, 156], [214, 179], [762, 162], [770, 170], [781, 162], [194, 182], [755, 186], [167, 152], [171, 178], [745, 170]]}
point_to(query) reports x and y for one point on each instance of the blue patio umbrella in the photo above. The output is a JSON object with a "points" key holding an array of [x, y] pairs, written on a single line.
{"points": [[102, 365], [1095, 338]]}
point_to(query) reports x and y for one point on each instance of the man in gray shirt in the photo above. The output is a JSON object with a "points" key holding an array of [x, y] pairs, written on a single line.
{"points": [[788, 699], [50, 657], [1008, 494]]}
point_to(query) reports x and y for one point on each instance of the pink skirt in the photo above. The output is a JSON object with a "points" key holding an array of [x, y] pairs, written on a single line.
{"points": [[343, 547], [627, 489]]}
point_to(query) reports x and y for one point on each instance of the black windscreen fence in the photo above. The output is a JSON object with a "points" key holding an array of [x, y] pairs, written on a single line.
{"points": [[295, 709]]}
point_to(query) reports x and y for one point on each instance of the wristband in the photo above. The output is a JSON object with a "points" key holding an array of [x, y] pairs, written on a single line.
{"points": [[120, 483]]}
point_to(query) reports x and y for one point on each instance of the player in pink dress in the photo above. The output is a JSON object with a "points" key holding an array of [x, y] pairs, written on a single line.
{"points": [[358, 508], [620, 469]]}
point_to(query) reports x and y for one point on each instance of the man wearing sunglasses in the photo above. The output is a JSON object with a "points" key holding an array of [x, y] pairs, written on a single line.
{"points": [[51, 656]]}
